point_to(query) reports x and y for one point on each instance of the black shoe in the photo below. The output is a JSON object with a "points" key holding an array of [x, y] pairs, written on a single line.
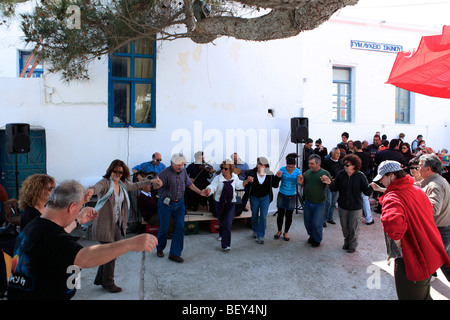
{"points": [[331, 222], [315, 244], [310, 240], [176, 258], [351, 250], [369, 223], [160, 253], [345, 246], [324, 224], [113, 288]]}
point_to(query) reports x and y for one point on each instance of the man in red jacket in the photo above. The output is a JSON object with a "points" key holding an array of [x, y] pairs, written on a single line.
{"points": [[407, 218]]}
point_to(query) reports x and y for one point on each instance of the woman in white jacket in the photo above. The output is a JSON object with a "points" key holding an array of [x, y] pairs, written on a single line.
{"points": [[224, 188]]}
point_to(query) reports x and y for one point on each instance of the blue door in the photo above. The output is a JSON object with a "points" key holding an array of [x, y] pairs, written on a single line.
{"points": [[27, 164]]}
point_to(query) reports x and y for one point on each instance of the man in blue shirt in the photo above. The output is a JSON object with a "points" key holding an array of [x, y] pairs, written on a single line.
{"points": [[151, 166]]}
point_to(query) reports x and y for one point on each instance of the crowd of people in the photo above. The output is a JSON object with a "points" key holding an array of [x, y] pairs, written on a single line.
{"points": [[406, 179]]}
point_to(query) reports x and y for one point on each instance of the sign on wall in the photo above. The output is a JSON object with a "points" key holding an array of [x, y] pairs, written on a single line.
{"points": [[374, 46]]}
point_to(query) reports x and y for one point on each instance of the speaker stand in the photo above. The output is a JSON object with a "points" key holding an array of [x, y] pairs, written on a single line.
{"points": [[17, 179], [299, 150]]}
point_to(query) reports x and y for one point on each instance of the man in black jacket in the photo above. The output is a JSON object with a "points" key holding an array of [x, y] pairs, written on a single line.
{"points": [[307, 152], [366, 168], [392, 153], [333, 165]]}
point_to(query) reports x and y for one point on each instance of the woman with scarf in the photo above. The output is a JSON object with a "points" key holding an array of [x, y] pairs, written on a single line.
{"points": [[224, 188], [113, 205]]}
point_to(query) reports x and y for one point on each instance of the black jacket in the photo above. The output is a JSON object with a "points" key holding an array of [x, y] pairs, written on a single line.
{"points": [[350, 188], [258, 190], [333, 167], [390, 154]]}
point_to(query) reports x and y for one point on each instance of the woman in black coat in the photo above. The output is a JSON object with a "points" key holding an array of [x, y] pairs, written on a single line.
{"points": [[350, 183]]}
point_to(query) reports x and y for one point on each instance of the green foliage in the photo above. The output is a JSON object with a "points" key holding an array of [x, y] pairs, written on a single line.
{"points": [[104, 28]]}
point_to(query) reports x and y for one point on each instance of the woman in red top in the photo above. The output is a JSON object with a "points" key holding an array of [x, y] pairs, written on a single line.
{"points": [[407, 218]]}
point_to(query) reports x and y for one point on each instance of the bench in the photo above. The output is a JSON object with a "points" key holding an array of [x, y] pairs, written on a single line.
{"points": [[191, 220]]}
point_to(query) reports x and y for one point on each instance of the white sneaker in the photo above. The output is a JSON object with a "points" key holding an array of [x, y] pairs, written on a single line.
{"points": [[228, 249], [219, 238], [260, 240]]}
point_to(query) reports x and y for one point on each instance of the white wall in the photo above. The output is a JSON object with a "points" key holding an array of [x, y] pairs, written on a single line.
{"points": [[374, 101], [207, 93]]}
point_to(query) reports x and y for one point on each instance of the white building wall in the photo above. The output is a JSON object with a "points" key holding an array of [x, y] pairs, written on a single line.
{"points": [[208, 94], [374, 101]]}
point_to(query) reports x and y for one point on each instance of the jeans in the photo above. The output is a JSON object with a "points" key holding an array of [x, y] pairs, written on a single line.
{"points": [[366, 208], [330, 204], [225, 219], [313, 218], [259, 207], [177, 210], [445, 235]]}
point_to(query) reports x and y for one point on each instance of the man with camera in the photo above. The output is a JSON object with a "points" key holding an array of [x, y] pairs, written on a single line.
{"points": [[171, 203]]}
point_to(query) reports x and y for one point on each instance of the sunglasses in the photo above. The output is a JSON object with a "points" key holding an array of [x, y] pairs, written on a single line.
{"points": [[158, 159], [347, 165], [225, 169], [117, 172], [414, 168]]}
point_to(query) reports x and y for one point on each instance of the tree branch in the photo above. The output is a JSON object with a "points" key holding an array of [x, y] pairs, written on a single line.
{"points": [[277, 24]]}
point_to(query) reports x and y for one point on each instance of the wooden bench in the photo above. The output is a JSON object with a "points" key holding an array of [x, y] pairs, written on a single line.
{"points": [[191, 220]]}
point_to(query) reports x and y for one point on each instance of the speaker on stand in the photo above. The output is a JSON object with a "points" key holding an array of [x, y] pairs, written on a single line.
{"points": [[17, 142], [299, 133]]}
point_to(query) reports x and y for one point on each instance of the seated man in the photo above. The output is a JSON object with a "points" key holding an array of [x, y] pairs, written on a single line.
{"points": [[150, 166], [148, 206], [199, 172]]}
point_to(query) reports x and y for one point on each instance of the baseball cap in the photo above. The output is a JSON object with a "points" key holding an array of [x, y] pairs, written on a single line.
{"points": [[386, 167]]}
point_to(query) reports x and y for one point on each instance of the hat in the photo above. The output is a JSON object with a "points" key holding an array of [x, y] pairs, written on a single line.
{"points": [[386, 167]]}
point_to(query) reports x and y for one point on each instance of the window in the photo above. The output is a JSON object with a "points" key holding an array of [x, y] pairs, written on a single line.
{"points": [[342, 95], [402, 105], [132, 85], [23, 59]]}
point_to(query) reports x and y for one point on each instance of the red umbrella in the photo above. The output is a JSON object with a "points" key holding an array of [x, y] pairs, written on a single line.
{"points": [[426, 70]]}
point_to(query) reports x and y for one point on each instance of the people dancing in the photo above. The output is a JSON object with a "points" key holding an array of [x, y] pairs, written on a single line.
{"points": [[287, 196], [224, 188], [171, 203], [261, 195], [351, 184]]}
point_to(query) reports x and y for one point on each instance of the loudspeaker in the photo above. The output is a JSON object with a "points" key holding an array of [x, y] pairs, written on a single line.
{"points": [[299, 130], [17, 138]]}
